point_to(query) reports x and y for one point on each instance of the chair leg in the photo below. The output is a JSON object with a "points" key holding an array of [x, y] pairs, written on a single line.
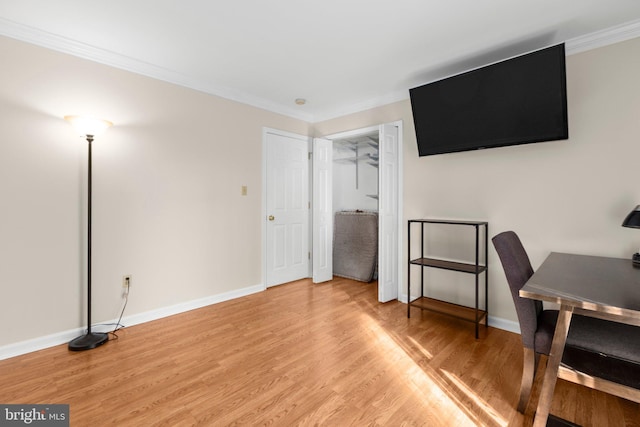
{"points": [[528, 371]]}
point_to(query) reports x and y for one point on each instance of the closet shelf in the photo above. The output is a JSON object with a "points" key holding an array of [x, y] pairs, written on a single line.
{"points": [[371, 159], [353, 145]]}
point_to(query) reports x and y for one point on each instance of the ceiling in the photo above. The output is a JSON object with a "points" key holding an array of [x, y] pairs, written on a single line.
{"points": [[341, 56]]}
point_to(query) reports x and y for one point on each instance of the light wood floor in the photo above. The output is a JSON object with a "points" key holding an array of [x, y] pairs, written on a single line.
{"points": [[299, 354]]}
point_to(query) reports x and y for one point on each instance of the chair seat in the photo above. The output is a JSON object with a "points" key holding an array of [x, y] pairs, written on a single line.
{"points": [[614, 339], [604, 349], [611, 368], [597, 347]]}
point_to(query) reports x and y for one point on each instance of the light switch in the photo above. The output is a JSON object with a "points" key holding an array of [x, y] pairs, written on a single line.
{"points": [[243, 191]]}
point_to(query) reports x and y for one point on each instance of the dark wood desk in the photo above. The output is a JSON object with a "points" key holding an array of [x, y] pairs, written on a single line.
{"points": [[608, 288]]}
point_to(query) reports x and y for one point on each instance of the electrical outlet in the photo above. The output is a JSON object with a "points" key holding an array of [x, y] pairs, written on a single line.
{"points": [[126, 281]]}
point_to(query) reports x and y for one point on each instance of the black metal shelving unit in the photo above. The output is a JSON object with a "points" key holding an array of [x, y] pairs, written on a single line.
{"points": [[475, 314]]}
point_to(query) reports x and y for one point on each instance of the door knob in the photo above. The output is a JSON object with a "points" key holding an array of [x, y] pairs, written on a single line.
{"points": [[271, 217]]}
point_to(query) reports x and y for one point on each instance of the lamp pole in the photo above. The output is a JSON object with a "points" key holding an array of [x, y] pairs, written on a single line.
{"points": [[88, 128], [89, 175]]}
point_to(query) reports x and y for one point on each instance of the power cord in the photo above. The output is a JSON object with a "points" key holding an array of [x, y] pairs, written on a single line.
{"points": [[118, 325]]}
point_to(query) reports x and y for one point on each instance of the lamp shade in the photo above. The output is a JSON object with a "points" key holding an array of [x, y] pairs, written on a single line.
{"points": [[88, 125], [633, 219]]}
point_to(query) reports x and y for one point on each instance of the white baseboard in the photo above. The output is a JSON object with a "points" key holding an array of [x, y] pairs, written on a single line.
{"points": [[35, 344], [40, 343], [148, 316], [504, 324]]}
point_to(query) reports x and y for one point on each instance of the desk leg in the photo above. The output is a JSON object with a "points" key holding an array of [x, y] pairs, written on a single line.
{"points": [[551, 373]]}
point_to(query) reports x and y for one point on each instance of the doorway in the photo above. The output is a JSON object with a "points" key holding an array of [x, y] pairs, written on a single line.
{"points": [[370, 179], [320, 185]]}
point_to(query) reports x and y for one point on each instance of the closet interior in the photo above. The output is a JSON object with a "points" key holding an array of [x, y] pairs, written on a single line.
{"points": [[355, 206]]}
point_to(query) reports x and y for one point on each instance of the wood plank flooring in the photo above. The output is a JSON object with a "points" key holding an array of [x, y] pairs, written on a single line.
{"points": [[299, 354]]}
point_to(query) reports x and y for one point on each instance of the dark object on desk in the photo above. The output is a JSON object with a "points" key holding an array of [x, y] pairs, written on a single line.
{"points": [[636, 260], [633, 221], [597, 347]]}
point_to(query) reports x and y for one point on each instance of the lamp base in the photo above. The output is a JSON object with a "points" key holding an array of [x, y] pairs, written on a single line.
{"points": [[88, 341], [636, 260]]}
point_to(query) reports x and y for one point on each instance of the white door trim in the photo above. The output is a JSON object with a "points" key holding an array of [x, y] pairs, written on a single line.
{"points": [[354, 132], [401, 260]]}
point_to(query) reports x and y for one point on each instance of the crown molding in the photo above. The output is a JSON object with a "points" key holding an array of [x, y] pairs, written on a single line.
{"points": [[61, 44], [52, 41], [617, 34]]}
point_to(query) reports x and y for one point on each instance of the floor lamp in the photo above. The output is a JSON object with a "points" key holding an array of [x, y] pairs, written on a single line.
{"points": [[88, 128]]}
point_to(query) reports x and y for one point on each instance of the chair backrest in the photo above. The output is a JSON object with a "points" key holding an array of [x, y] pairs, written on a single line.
{"points": [[517, 268]]}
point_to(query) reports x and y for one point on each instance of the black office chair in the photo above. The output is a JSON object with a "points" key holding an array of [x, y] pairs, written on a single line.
{"points": [[597, 347]]}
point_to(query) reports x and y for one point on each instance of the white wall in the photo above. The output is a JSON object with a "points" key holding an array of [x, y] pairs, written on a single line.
{"points": [[167, 192], [558, 196], [167, 179]]}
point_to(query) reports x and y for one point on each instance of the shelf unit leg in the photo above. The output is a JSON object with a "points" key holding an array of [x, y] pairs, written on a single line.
{"points": [[409, 270], [477, 278], [486, 275]]}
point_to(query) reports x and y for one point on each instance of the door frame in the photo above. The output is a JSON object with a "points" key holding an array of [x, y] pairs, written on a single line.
{"points": [[399, 190], [263, 216], [339, 135]]}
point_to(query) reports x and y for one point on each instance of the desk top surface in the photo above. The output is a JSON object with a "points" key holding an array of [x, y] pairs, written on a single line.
{"points": [[608, 285]]}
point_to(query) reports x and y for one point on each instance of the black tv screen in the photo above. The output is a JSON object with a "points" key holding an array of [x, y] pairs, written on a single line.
{"points": [[517, 101]]}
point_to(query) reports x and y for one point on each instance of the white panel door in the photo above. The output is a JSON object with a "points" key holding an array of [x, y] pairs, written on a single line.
{"points": [[287, 209], [322, 210], [388, 213]]}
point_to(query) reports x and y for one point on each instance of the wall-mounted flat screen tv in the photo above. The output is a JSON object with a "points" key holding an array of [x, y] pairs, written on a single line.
{"points": [[517, 101]]}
